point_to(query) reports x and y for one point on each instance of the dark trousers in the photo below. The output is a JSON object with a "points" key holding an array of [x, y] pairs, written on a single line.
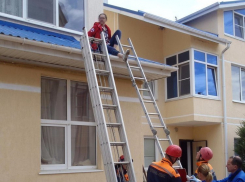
{"points": [[113, 42]]}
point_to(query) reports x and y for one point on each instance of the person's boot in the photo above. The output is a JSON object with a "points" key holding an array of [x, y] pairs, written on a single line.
{"points": [[125, 56]]}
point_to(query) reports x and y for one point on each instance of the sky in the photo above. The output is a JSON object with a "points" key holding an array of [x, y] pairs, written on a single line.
{"points": [[165, 8]]}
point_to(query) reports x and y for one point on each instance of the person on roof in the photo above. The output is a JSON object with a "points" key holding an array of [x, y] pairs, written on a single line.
{"points": [[234, 166], [111, 41], [163, 170], [203, 156]]}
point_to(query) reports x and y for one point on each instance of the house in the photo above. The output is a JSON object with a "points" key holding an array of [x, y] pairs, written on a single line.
{"points": [[48, 131]]}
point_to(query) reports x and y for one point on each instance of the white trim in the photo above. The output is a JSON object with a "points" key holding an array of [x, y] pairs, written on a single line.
{"points": [[92, 170], [234, 124], [17, 87]]}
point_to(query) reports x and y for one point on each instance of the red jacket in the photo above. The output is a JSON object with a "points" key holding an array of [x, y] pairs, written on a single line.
{"points": [[95, 32]]}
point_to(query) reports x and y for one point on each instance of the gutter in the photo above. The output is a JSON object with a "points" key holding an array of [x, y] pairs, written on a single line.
{"points": [[224, 105]]}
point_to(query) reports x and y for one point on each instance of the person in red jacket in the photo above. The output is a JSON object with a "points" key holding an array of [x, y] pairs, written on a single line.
{"points": [[110, 40]]}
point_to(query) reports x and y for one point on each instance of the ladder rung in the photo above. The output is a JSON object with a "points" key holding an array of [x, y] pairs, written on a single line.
{"points": [[98, 54], [139, 78], [108, 106], [148, 101], [131, 57], [113, 124], [127, 46], [106, 89], [143, 89], [102, 72], [158, 127], [153, 114], [123, 163], [134, 67], [176, 166], [117, 143], [163, 139]]}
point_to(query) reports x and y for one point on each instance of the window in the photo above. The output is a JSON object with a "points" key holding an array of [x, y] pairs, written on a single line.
{"points": [[235, 143], [234, 22], [205, 71], [60, 13], [68, 130], [149, 151], [238, 83], [178, 84], [153, 86]]}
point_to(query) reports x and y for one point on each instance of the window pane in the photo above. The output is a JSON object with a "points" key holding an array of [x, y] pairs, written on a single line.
{"points": [[200, 56], [149, 151], [172, 86], [183, 57], [42, 10], [200, 79], [236, 88], [171, 60], [212, 59], [52, 145], [53, 99], [228, 20], [184, 87], [71, 14], [243, 85], [184, 71], [83, 145], [12, 7], [239, 26], [241, 11], [212, 90], [152, 86], [238, 20], [81, 107]]}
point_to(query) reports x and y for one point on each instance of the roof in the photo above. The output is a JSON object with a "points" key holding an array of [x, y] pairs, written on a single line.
{"points": [[209, 9], [160, 21]]}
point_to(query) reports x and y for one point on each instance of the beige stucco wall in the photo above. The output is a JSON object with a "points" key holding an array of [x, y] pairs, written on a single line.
{"points": [[92, 10]]}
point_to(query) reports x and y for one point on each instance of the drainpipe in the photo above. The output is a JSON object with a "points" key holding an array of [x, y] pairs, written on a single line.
{"points": [[224, 104]]}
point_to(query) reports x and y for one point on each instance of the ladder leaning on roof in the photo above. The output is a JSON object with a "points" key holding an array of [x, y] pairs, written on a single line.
{"points": [[152, 101], [106, 107]]}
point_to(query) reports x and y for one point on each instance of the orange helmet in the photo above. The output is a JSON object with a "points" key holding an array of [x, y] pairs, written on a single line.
{"points": [[206, 153], [174, 151]]}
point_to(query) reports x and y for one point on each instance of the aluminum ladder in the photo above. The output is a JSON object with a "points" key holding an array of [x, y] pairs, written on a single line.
{"points": [[107, 112], [144, 102]]}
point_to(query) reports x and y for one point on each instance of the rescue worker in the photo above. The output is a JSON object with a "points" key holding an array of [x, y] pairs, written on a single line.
{"points": [[234, 166], [203, 156], [163, 170], [121, 171], [110, 40]]}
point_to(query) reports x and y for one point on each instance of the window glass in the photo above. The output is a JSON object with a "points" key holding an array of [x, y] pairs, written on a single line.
{"points": [[81, 108], [71, 14], [183, 57], [11, 7], [200, 79], [239, 26], [243, 84], [43, 10], [241, 11], [184, 71], [171, 60], [212, 59], [184, 79], [228, 21], [236, 89], [184, 87], [52, 145], [83, 145], [172, 86], [199, 56], [53, 99], [212, 90], [149, 151], [152, 86]]}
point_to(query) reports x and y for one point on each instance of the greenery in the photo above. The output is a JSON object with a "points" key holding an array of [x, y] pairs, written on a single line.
{"points": [[240, 144]]}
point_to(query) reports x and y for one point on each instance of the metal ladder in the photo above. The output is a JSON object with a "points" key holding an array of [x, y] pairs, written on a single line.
{"points": [[143, 101], [107, 112]]}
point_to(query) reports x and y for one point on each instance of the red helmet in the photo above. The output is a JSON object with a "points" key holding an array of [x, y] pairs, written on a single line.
{"points": [[122, 157], [174, 151], [206, 153]]}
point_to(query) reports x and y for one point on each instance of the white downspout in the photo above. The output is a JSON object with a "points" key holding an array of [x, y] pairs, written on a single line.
{"points": [[224, 104]]}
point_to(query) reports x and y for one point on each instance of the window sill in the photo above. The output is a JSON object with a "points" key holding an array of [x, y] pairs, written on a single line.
{"points": [[234, 37], [239, 102], [208, 97], [179, 98], [67, 171]]}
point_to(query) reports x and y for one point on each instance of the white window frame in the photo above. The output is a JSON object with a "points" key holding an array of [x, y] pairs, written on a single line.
{"points": [[240, 76], [206, 67], [157, 153], [176, 65], [154, 92], [67, 124], [55, 26]]}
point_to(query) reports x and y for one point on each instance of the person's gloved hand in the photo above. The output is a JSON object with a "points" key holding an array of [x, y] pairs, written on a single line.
{"points": [[194, 179]]}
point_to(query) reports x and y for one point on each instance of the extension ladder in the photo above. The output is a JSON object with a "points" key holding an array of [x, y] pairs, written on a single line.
{"points": [[107, 112], [156, 113]]}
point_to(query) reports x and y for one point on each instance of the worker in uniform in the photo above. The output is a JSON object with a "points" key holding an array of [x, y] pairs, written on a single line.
{"points": [[121, 171], [163, 170], [203, 156]]}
